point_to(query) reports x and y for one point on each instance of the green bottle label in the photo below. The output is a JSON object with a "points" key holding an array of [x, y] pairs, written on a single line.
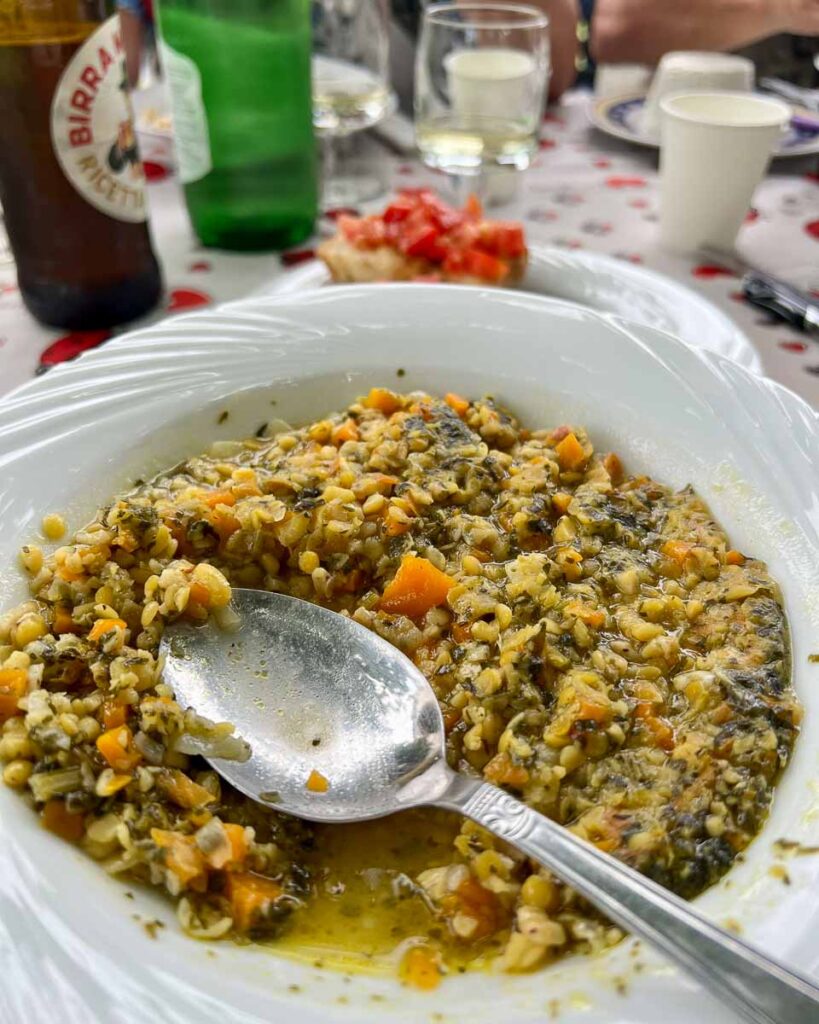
{"points": [[190, 120]]}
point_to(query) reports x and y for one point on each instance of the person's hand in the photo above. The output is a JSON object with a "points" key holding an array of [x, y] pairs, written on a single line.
{"points": [[801, 17]]}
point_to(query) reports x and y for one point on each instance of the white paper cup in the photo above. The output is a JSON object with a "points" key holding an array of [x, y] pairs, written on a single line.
{"points": [[690, 70], [715, 149]]}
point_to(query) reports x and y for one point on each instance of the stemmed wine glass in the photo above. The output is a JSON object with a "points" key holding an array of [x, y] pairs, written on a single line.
{"points": [[350, 91], [480, 84]]}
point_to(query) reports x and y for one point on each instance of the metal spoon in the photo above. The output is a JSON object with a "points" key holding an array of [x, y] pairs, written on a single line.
{"points": [[313, 691]]}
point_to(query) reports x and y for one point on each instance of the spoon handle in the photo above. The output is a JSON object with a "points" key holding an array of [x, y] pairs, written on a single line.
{"points": [[759, 988]]}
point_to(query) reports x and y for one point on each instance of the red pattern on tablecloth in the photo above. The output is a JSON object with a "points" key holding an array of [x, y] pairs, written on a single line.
{"points": [[187, 298], [624, 181], [710, 270], [297, 256], [70, 346]]}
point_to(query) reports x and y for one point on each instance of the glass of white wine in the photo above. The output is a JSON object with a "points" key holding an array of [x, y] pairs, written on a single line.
{"points": [[350, 91], [480, 85]]}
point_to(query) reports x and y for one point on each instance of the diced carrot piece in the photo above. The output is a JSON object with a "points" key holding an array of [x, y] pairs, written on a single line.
{"points": [[214, 498], [224, 523], [421, 967], [62, 622], [721, 714], [116, 783], [182, 790], [396, 522], [200, 594], [614, 467], [676, 550], [347, 431], [570, 453], [384, 400], [461, 632], [503, 772], [561, 502], [594, 617], [181, 856], [734, 558], [103, 626], [113, 714], [349, 583], [593, 711], [659, 728], [250, 897], [58, 819], [451, 719], [455, 402], [238, 842], [117, 747], [316, 782], [481, 904], [415, 588], [13, 686]]}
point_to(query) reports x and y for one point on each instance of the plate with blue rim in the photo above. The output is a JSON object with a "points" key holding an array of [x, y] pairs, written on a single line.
{"points": [[622, 116]]}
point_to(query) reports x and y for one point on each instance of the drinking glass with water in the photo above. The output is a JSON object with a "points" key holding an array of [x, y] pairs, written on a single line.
{"points": [[480, 84]]}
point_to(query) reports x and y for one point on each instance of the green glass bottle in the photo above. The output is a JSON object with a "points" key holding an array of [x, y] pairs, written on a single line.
{"points": [[239, 78]]}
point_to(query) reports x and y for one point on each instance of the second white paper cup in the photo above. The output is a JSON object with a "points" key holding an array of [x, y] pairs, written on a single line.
{"points": [[715, 149]]}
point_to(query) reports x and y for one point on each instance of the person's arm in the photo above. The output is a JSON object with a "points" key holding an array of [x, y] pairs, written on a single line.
{"points": [[641, 31], [562, 16]]}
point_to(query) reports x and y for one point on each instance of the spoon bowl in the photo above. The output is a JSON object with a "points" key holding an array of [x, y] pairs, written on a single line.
{"points": [[367, 727]]}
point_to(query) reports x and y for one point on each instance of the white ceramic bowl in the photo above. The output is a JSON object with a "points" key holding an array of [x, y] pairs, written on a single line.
{"points": [[72, 946], [599, 282]]}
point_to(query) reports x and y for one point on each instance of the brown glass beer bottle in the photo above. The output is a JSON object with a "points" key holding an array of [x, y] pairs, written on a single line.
{"points": [[71, 184]]}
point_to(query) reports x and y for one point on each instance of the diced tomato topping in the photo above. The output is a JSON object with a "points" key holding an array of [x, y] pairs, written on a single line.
{"points": [[421, 225], [503, 239], [473, 207], [425, 242], [398, 211], [349, 227], [365, 232], [475, 263]]}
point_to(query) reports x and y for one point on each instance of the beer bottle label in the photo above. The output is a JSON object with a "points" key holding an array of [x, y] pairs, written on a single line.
{"points": [[92, 129], [190, 121]]}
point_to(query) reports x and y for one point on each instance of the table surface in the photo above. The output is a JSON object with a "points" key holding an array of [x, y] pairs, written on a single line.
{"points": [[584, 191]]}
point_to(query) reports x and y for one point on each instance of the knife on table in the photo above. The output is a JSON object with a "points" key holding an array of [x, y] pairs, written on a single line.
{"points": [[772, 294], [781, 299]]}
